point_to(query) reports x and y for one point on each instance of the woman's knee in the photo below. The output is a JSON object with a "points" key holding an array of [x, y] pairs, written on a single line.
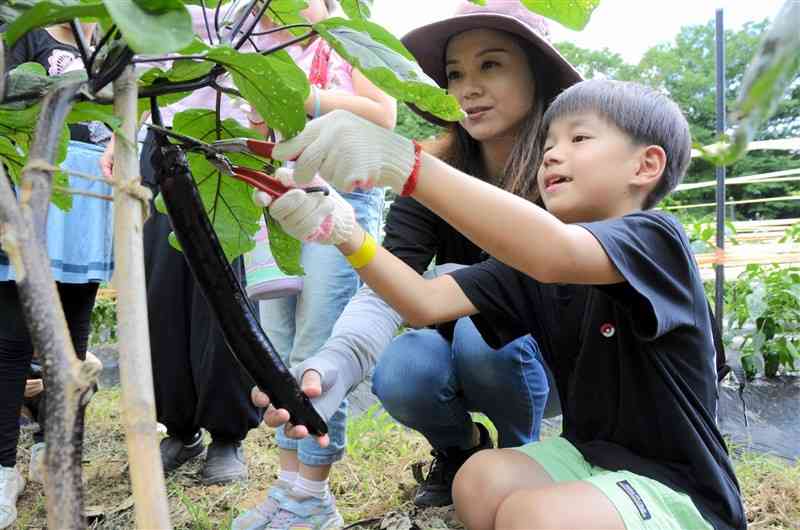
{"points": [[410, 373]]}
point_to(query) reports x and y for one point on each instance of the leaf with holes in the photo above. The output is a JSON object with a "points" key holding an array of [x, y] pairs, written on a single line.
{"points": [[386, 62], [357, 9], [287, 12], [274, 85], [573, 14], [228, 201]]}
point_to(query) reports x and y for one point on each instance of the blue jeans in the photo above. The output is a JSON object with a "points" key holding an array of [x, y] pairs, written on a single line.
{"points": [[299, 325], [431, 385]]}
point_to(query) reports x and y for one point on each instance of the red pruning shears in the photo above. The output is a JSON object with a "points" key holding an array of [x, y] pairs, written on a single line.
{"points": [[214, 153]]}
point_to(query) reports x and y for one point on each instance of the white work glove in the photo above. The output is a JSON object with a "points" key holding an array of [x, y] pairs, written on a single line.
{"points": [[349, 152], [313, 217]]}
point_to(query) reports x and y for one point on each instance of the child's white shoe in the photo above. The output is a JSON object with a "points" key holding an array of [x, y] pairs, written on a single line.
{"points": [[11, 485]]}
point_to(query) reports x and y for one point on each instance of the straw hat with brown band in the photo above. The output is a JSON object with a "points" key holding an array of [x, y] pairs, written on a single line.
{"points": [[428, 44]]}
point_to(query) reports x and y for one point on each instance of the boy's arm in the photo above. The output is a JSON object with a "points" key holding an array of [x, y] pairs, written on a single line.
{"points": [[514, 230], [419, 301], [348, 151]]}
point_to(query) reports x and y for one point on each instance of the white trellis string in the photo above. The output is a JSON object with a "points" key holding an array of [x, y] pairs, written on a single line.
{"points": [[133, 188]]}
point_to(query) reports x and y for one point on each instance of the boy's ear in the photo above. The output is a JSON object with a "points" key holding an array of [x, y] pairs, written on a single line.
{"points": [[651, 166]]}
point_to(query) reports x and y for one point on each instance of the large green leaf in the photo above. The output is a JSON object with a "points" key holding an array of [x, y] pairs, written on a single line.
{"points": [[774, 69], [27, 78], [47, 13], [166, 30], [89, 111], [573, 14], [273, 84], [284, 248], [286, 12], [357, 9], [384, 60], [227, 201]]}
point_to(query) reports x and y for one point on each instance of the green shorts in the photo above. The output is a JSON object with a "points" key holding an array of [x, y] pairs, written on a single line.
{"points": [[642, 503]]}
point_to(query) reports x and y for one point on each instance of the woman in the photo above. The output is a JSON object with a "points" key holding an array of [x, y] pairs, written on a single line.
{"points": [[503, 73]]}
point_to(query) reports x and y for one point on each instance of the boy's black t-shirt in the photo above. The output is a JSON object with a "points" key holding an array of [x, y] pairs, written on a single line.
{"points": [[634, 362]]}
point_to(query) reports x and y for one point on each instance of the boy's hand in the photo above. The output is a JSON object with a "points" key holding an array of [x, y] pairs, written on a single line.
{"points": [[315, 217], [312, 387], [349, 152]]}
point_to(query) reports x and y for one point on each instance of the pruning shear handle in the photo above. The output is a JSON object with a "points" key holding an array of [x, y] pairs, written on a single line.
{"points": [[268, 184]]}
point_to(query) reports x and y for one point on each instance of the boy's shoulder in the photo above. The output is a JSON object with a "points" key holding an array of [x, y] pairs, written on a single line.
{"points": [[646, 233]]}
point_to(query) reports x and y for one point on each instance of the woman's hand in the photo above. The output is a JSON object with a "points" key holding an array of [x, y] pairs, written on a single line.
{"points": [[349, 152]]}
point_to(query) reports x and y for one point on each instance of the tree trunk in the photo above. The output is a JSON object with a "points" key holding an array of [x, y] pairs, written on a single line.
{"points": [[147, 476], [68, 381]]}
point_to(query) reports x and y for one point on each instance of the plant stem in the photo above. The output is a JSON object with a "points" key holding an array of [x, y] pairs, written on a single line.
{"points": [[136, 376]]}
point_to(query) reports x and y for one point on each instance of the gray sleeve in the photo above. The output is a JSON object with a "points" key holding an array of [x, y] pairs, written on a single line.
{"points": [[365, 328]]}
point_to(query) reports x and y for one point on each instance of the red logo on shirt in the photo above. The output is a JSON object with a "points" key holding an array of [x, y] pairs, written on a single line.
{"points": [[607, 330]]}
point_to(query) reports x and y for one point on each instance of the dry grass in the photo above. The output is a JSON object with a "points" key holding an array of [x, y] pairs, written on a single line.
{"points": [[373, 480]]}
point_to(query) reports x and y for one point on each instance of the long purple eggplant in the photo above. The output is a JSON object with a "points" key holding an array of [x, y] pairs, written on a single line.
{"points": [[246, 340]]}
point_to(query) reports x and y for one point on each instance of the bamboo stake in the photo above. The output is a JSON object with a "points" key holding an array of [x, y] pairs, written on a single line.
{"points": [[147, 476]]}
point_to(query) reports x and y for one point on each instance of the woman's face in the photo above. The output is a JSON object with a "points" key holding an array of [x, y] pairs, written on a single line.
{"points": [[489, 74]]}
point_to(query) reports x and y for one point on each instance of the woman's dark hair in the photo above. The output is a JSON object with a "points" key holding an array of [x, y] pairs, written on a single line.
{"points": [[456, 147]]}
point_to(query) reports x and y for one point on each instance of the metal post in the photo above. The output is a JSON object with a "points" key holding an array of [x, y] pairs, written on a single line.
{"points": [[719, 269]]}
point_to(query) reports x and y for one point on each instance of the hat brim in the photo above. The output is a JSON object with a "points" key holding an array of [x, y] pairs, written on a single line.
{"points": [[428, 44]]}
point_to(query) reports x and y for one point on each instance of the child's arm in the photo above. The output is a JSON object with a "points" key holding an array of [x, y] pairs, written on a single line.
{"points": [[419, 301], [368, 102], [513, 230]]}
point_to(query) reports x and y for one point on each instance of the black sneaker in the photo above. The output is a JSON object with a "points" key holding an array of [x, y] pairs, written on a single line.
{"points": [[175, 452], [224, 463], [437, 488]]}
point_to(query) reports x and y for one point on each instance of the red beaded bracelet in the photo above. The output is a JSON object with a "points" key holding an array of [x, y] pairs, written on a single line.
{"points": [[411, 183]]}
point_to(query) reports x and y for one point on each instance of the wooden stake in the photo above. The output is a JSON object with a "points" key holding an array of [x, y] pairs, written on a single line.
{"points": [[147, 476]]}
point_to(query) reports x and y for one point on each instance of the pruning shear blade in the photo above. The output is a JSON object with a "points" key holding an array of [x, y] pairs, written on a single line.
{"points": [[214, 153]]}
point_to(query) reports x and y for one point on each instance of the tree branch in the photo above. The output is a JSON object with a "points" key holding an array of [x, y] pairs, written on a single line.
{"points": [[37, 178], [67, 379]]}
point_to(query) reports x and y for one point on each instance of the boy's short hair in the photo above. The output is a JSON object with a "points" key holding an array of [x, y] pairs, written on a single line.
{"points": [[648, 116]]}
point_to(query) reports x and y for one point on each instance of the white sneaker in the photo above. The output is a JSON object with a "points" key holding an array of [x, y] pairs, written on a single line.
{"points": [[11, 485], [36, 468]]}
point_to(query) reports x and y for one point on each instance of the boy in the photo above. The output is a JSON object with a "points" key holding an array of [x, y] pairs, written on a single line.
{"points": [[609, 290]]}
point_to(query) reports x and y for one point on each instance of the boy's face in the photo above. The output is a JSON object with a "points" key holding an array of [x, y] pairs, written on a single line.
{"points": [[588, 169]]}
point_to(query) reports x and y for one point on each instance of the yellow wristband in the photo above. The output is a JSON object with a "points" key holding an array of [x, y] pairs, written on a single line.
{"points": [[361, 257]]}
